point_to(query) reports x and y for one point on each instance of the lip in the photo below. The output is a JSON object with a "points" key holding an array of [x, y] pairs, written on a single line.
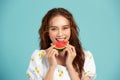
{"points": [[60, 39]]}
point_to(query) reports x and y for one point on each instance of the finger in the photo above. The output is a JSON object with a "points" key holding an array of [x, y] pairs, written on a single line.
{"points": [[53, 51], [50, 48], [68, 48], [72, 48], [53, 54], [63, 52], [49, 51], [56, 52]]}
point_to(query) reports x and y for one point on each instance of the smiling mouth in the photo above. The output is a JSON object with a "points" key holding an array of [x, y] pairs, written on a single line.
{"points": [[60, 39]]}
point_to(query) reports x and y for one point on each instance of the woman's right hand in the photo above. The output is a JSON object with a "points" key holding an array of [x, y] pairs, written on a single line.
{"points": [[50, 55]]}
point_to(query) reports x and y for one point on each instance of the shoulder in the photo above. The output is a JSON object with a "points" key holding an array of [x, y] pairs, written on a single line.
{"points": [[38, 54], [38, 58], [88, 54], [89, 59]]}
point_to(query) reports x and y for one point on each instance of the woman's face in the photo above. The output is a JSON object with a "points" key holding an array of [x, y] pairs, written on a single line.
{"points": [[59, 29]]}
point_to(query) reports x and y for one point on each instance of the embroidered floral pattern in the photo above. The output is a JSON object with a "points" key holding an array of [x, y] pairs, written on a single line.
{"points": [[60, 72], [37, 70], [32, 59], [90, 56], [41, 54], [28, 76], [86, 73]]}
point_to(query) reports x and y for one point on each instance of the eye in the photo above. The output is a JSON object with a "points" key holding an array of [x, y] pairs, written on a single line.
{"points": [[53, 28], [66, 27]]}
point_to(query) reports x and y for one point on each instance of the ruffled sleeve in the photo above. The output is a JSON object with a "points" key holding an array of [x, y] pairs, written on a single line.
{"points": [[35, 69], [89, 66]]}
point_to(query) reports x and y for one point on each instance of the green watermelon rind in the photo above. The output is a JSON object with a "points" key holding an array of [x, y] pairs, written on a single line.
{"points": [[60, 49]]}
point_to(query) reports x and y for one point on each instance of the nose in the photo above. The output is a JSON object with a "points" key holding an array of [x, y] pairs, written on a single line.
{"points": [[60, 33]]}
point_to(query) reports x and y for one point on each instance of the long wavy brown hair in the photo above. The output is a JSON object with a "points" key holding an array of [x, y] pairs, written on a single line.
{"points": [[45, 41]]}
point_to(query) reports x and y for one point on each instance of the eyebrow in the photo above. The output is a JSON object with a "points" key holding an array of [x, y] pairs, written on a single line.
{"points": [[52, 26], [56, 26]]}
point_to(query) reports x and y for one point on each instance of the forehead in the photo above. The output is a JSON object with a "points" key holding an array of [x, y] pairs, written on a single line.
{"points": [[58, 20]]}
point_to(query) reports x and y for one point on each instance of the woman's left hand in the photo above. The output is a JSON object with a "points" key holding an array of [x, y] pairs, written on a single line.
{"points": [[70, 53]]}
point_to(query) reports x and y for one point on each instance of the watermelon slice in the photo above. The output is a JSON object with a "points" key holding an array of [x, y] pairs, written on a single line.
{"points": [[60, 45]]}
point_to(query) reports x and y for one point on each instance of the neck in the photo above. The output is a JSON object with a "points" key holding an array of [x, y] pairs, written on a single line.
{"points": [[61, 60]]}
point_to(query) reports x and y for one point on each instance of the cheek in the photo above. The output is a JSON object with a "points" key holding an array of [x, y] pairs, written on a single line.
{"points": [[68, 33], [52, 35]]}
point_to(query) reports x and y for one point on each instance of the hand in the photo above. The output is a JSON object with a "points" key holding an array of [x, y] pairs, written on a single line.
{"points": [[50, 55], [71, 54]]}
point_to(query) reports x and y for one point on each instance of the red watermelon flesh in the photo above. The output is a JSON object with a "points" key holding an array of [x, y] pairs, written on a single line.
{"points": [[60, 45]]}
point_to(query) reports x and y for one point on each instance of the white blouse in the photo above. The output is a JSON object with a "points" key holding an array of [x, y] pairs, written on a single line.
{"points": [[39, 67]]}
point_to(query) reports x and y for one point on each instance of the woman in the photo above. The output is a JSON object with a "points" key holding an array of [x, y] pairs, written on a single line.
{"points": [[48, 63]]}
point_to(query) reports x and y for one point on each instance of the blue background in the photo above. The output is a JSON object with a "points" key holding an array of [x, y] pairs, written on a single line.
{"points": [[98, 20]]}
